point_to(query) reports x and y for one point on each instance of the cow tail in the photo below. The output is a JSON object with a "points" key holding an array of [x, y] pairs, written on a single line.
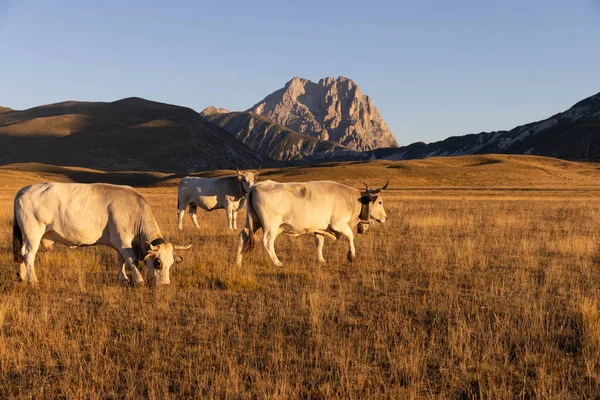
{"points": [[179, 201], [17, 240], [250, 212]]}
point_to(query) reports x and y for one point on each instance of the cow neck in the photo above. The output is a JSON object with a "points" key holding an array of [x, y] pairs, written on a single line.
{"points": [[149, 232], [365, 201]]}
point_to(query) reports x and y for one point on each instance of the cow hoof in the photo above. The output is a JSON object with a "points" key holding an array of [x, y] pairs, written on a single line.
{"points": [[350, 257], [19, 278]]}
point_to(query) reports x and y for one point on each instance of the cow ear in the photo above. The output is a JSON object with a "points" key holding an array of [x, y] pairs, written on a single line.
{"points": [[372, 198], [240, 177], [147, 257], [178, 259]]}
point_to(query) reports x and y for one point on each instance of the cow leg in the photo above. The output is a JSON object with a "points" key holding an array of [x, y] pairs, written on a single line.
{"points": [[319, 241], [235, 215], [345, 230], [29, 259], [131, 260], [121, 267], [240, 251], [245, 236], [32, 237], [193, 210], [229, 212], [269, 237], [180, 214]]}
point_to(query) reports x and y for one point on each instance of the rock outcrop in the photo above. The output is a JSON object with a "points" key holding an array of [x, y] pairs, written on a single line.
{"points": [[270, 139], [212, 110], [332, 109]]}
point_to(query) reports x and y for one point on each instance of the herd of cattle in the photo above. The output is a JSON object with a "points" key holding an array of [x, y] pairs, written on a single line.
{"points": [[77, 214]]}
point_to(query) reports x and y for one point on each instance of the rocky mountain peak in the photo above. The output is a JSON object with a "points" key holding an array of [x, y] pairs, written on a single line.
{"points": [[332, 109], [211, 110]]}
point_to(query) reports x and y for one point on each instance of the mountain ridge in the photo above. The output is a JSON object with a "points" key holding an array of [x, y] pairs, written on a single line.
{"points": [[270, 139], [331, 109], [573, 134]]}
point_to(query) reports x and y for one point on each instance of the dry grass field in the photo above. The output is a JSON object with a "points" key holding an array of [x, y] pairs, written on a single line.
{"points": [[484, 283]]}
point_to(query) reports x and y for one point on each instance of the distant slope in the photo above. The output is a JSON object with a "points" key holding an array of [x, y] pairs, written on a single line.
{"points": [[573, 134], [270, 139], [4, 109], [473, 171], [129, 134], [332, 109]]}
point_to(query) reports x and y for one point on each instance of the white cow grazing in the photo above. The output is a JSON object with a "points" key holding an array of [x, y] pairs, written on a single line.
{"points": [[214, 194], [324, 208], [77, 214]]}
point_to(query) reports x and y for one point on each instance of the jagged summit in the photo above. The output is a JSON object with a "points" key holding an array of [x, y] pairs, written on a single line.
{"points": [[332, 109], [211, 110]]}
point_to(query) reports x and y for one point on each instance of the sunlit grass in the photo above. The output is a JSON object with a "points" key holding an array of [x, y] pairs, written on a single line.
{"points": [[456, 296]]}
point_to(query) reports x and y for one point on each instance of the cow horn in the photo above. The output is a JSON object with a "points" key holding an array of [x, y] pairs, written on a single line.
{"points": [[239, 173], [178, 247], [366, 187], [258, 170], [376, 191]]}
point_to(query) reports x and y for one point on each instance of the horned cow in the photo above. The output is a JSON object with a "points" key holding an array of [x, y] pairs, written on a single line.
{"points": [[210, 194], [322, 208], [77, 214]]}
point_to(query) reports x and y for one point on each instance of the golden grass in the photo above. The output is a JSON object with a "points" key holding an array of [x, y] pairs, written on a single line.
{"points": [[463, 293]]}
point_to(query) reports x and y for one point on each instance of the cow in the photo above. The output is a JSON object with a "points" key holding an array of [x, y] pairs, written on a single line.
{"points": [[214, 194], [78, 214], [323, 208]]}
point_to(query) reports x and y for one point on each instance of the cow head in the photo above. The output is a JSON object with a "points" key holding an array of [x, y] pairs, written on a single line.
{"points": [[159, 259], [376, 210], [247, 179]]}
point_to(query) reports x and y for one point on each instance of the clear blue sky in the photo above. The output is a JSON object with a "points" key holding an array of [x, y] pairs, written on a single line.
{"points": [[433, 68]]}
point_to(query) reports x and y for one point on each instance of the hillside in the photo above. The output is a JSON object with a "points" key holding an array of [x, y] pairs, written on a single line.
{"points": [[129, 134], [332, 109], [436, 173], [270, 139], [573, 134]]}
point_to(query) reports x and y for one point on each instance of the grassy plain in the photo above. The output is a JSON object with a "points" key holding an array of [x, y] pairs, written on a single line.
{"points": [[484, 283]]}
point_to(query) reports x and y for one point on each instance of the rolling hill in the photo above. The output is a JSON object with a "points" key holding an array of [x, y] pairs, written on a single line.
{"points": [[128, 134]]}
